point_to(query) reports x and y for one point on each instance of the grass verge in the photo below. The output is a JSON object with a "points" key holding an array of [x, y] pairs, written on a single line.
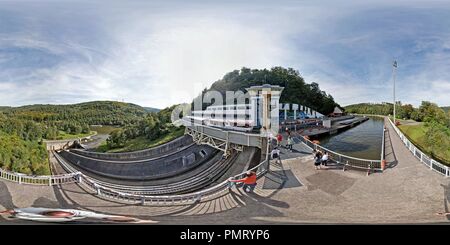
{"points": [[416, 134]]}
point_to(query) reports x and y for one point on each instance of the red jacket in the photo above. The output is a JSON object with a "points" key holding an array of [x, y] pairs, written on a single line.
{"points": [[279, 138], [247, 180]]}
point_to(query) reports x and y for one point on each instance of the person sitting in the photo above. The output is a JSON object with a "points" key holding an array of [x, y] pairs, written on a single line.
{"points": [[249, 181]]}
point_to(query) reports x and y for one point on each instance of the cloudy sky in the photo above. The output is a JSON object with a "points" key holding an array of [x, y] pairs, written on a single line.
{"points": [[158, 53]]}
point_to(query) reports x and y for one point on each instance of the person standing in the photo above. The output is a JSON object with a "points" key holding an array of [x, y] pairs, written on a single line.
{"points": [[275, 155], [317, 160], [325, 159], [290, 142], [279, 139]]}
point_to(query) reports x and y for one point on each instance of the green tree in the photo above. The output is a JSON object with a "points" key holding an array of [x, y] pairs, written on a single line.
{"points": [[85, 129], [430, 112], [116, 139], [405, 111], [437, 138], [51, 133]]}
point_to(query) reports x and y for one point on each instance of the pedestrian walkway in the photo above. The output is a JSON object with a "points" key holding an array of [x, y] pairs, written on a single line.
{"points": [[292, 192], [396, 153]]}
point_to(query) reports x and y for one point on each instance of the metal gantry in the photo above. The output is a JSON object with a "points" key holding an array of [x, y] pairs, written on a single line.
{"points": [[222, 144]]}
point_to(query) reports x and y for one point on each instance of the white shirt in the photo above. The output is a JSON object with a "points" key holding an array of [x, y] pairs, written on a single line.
{"points": [[275, 151], [325, 157]]}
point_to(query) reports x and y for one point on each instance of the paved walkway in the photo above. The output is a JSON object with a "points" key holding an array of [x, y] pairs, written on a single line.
{"points": [[292, 192]]}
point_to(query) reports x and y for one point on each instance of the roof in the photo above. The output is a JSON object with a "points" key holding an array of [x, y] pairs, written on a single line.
{"points": [[337, 110]]}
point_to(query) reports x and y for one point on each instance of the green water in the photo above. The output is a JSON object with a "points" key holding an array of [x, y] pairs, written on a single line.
{"points": [[362, 141]]}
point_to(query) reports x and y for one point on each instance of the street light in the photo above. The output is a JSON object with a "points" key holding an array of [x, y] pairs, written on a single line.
{"points": [[394, 69]]}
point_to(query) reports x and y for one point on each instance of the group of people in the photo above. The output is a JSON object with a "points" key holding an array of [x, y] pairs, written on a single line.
{"points": [[290, 140], [320, 159], [249, 180]]}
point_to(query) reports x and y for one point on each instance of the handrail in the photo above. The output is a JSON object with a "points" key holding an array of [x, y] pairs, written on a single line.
{"points": [[100, 187], [117, 187], [422, 157], [47, 180], [108, 192], [328, 150], [383, 144], [367, 164]]}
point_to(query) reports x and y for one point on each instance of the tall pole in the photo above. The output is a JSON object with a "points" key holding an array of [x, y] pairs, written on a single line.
{"points": [[394, 69]]}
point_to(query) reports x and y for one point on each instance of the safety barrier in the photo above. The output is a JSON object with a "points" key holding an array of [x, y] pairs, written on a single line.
{"points": [[382, 157], [346, 161], [127, 194], [48, 180], [423, 158]]}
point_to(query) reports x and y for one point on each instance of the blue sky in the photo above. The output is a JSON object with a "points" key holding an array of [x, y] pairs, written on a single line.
{"points": [[158, 53]]}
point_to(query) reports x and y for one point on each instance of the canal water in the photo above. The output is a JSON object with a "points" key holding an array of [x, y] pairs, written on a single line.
{"points": [[362, 141]]}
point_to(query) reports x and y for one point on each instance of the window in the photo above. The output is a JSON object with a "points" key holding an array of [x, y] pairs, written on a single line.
{"points": [[202, 153]]}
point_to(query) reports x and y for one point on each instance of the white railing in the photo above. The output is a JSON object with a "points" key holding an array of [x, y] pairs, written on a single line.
{"points": [[347, 161], [127, 193], [382, 157], [48, 180], [108, 190], [422, 157]]}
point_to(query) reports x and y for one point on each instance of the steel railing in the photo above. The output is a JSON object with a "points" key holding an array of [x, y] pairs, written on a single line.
{"points": [[382, 157], [127, 193], [346, 161], [422, 157], [48, 180]]}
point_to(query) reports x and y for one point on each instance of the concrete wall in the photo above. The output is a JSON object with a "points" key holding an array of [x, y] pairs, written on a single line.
{"points": [[143, 170], [58, 144], [171, 146]]}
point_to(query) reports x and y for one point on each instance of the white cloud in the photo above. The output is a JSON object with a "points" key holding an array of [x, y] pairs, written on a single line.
{"points": [[161, 55]]}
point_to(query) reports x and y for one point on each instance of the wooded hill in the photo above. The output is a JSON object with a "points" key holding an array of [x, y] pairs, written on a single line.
{"points": [[22, 129], [95, 112]]}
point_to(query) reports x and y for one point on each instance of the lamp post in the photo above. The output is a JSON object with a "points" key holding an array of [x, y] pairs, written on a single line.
{"points": [[394, 69]]}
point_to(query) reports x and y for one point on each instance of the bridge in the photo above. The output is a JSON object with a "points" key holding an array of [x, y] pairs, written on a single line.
{"points": [[404, 185]]}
